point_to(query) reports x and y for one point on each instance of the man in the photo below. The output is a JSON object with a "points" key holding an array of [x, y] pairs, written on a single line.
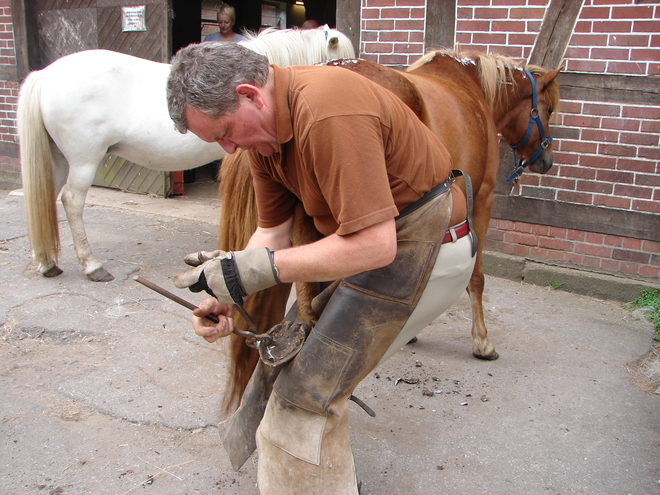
{"points": [[377, 183]]}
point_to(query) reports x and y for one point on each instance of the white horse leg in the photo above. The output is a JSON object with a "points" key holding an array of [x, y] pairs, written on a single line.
{"points": [[73, 198]]}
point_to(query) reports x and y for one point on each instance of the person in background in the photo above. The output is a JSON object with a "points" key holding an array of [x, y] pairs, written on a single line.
{"points": [[309, 24], [226, 21]]}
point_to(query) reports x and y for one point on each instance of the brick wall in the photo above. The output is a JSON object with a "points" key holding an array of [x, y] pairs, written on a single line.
{"points": [[9, 162], [606, 154], [8, 89]]}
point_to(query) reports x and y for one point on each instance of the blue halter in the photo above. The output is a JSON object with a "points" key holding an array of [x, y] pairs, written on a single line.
{"points": [[519, 165]]}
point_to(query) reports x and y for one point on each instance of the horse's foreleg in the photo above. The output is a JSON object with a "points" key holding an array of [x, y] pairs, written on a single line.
{"points": [[73, 199]]}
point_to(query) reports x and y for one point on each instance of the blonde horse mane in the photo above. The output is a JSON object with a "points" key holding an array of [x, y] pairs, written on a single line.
{"points": [[286, 47], [494, 72]]}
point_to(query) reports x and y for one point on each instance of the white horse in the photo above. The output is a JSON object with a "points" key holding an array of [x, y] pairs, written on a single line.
{"points": [[85, 105]]}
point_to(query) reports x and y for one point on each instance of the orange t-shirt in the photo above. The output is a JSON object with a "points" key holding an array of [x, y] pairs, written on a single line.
{"points": [[351, 152]]}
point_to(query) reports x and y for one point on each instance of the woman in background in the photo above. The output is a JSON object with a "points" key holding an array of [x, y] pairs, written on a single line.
{"points": [[226, 21]]}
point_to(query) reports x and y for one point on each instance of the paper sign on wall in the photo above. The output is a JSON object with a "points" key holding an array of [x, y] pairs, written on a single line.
{"points": [[133, 18]]}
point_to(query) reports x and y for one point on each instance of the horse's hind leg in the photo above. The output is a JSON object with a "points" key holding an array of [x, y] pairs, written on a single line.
{"points": [[482, 348], [73, 198]]}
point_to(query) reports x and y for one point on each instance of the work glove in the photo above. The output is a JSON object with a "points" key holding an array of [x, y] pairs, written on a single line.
{"points": [[229, 276]]}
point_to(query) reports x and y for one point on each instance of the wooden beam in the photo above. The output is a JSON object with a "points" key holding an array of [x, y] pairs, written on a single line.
{"points": [[348, 21], [586, 218], [440, 24], [556, 31], [610, 88]]}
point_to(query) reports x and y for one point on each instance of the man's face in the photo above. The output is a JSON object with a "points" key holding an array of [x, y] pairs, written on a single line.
{"points": [[248, 128]]}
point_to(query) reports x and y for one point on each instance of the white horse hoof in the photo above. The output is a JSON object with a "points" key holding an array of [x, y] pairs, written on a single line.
{"points": [[100, 275]]}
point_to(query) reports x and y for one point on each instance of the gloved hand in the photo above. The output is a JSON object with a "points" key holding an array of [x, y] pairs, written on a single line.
{"points": [[229, 276]]}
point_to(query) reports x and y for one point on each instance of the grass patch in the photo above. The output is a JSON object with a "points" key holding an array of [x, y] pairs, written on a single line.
{"points": [[649, 304]]}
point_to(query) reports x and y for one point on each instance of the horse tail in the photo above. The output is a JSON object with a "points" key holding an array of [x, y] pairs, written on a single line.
{"points": [[238, 221], [37, 172]]}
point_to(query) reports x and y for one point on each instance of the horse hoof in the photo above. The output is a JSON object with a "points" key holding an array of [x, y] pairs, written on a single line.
{"points": [[490, 357], [413, 340], [100, 275], [53, 271]]}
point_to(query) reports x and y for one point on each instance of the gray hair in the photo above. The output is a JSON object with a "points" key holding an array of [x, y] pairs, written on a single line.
{"points": [[204, 76]]}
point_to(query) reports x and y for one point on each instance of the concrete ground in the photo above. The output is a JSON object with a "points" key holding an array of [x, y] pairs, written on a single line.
{"points": [[106, 389]]}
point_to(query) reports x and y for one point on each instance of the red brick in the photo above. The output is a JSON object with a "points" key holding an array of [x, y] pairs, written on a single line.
{"points": [[644, 54], [653, 153], [556, 256], [472, 26], [633, 191], [632, 244], [505, 248], [611, 265], [558, 183], [574, 197], [519, 250], [598, 161], [615, 176], [595, 13], [594, 187], [634, 165], [565, 159], [586, 66], [393, 60], [588, 39], [378, 47], [574, 235], [655, 41], [630, 268], [603, 110], [370, 14], [591, 261], [411, 3], [495, 235], [395, 13], [380, 3], [630, 12], [594, 250], [612, 27], [412, 25], [583, 27], [620, 124], [574, 258], [577, 52], [617, 150], [649, 271], [505, 224], [600, 135], [540, 229], [571, 107], [651, 126], [631, 256], [649, 113], [647, 26], [648, 206], [628, 40], [612, 202], [408, 48], [567, 145], [417, 13], [392, 36], [522, 227], [518, 238], [379, 25], [490, 38], [647, 180], [538, 253], [650, 246], [612, 240], [558, 232], [490, 13], [582, 121], [557, 244], [629, 68], [508, 27], [610, 53], [526, 13], [639, 139]]}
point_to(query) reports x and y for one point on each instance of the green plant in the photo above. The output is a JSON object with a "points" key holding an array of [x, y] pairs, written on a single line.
{"points": [[649, 304], [554, 285]]}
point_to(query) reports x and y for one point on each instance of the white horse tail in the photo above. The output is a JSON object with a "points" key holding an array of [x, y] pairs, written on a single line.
{"points": [[37, 174]]}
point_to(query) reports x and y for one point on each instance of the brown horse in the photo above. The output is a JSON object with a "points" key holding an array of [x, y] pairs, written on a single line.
{"points": [[467, 100]]}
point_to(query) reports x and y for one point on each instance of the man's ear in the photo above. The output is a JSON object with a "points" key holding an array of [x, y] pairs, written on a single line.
{"points": [[249, 92]]}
